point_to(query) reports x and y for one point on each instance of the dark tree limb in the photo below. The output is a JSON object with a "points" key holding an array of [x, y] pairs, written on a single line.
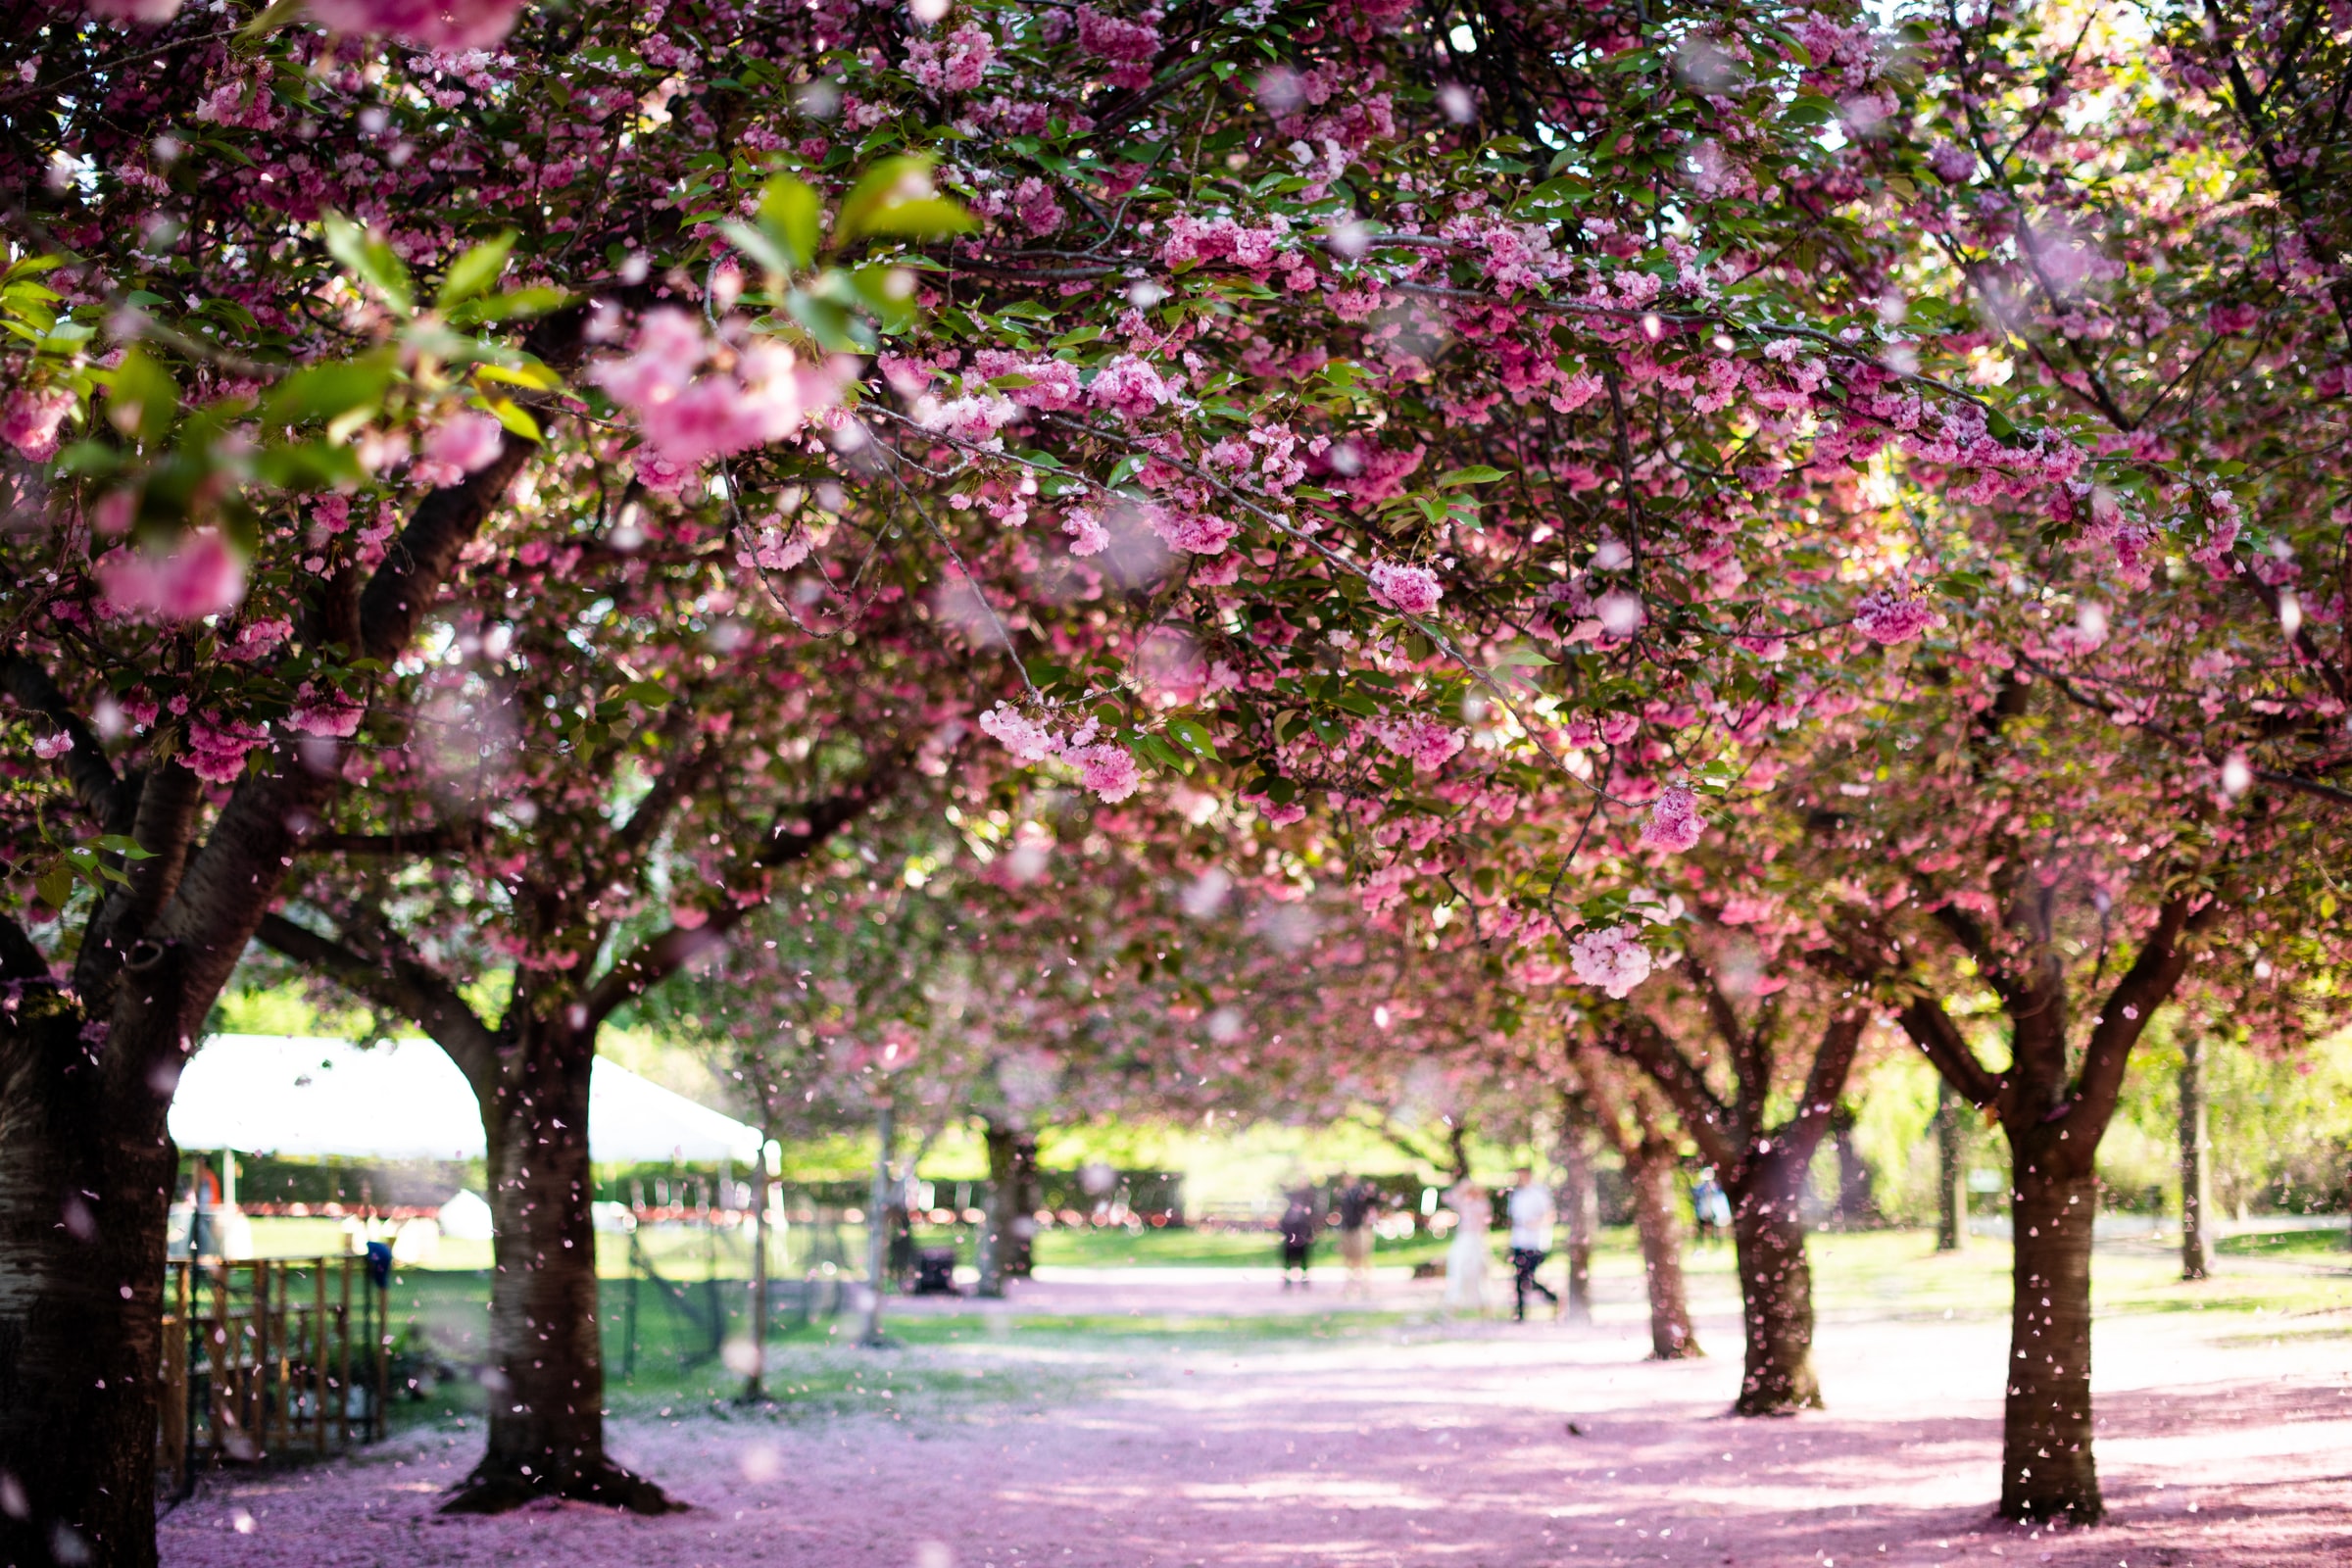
{"points": [[1933, 1030], [447, 838], [2142, 989], [100, 791], [791, 839], [1707, 1120], [1832, 1060], [399, 982]]}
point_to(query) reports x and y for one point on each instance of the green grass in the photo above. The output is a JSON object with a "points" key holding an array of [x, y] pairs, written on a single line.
{"points": [[1198, 1249], [968, 1362], [2284, 1243]]}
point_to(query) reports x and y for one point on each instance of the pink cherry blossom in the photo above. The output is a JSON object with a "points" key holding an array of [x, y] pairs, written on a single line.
{"points": [[954, 63], [1131, 45], [31, 419], [199, 575], [1406, 589], [1426, 742], [1107, 769], [1088, 536], [1673, 821], [217, 747], [325, 714], [1025, 738], [1612, 958], [468, 441], [1130, 386], [1893, 615], [434, 23]]}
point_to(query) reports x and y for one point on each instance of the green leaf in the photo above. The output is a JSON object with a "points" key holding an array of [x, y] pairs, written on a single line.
{"points": [[125, 847], [55, 885], [928, 218], [514, 417], [329, 391], [756, 244], [649, 693], [897, 197], [789, 214], [30, 265], [1193, 738], [513, 305], [143, 397], [1476, 474], [365, 253], [474, 271]]}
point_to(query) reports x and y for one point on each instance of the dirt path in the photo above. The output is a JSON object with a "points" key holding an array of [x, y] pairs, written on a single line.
{"points": [[1421, 1446]]}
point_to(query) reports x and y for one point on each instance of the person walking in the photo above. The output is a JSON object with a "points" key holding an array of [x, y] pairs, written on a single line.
{"points": [[1356, 1197], [1710, 1207], [1531, 1239], [1466, 1255], [1298, 1235]]}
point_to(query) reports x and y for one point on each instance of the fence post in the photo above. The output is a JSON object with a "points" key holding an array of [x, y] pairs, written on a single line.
{"points": [[343, 1380]]}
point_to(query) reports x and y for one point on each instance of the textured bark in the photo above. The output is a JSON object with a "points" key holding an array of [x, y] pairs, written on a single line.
{"points": [[1776, 1284], [84, 1175], [1013, 1199], [1649, 1172], [1951, 1174], [2054, 1121], [1579, 1202], [2196, 1179], [1004, 1242], [2047, 1465], [86, 1075], [1763, 1170], [547, 1382]]}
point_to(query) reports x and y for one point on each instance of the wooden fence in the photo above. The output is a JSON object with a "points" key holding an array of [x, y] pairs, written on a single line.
{"points": [[267, 1355]]}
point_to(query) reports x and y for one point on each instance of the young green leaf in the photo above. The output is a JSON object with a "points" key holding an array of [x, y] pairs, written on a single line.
{"points": [[474, 271]]}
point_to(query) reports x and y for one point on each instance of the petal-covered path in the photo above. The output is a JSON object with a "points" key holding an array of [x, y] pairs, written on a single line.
{"points": [[1405, 1443]]}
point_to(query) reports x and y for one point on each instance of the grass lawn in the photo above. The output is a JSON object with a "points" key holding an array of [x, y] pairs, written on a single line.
{"points": [[443, 1314]]}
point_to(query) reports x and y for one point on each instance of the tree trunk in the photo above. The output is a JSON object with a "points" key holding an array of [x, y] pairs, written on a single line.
{"points": [[2196, 1177], [1649, 1172], [1007, 1221], [2047, 1467], [1951, 1175], [86, 1177], [1857, 1209], [547, 1382], [1020, 1229], [1580, 1204], [1776, 1283]]}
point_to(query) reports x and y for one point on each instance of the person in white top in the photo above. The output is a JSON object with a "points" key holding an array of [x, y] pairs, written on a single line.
{"points": [[1466, 1255], [1531, 1241]]}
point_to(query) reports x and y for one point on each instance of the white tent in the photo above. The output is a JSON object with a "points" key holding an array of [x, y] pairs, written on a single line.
{"points": [[272, 1094]]}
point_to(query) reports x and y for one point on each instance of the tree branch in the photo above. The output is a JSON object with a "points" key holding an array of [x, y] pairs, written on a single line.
{"points": [[1832, 1060], [2142, 989], [397, 981], [1707, 1120], [789, 840], [1933, 1030], [92, 777]]}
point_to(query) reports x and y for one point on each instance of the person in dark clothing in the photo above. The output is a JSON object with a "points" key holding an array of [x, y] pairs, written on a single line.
{"points": [[1298, 1235], [1531, 1212]]}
